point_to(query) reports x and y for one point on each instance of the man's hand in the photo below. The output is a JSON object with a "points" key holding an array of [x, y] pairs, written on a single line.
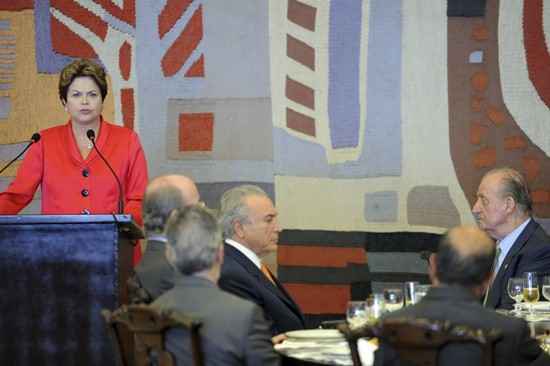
{"points": [[279, 338]]}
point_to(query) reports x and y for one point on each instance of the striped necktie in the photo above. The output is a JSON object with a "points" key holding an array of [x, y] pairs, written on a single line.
{"points": [[267, 273], [495, 263]]}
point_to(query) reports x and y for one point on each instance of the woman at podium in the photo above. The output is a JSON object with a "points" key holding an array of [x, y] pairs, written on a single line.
{"points": [[73, 177]]}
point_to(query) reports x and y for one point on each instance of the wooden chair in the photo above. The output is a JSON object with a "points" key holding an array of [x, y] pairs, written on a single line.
{"points": [[420, 341], [137, 294], [148, 328]]}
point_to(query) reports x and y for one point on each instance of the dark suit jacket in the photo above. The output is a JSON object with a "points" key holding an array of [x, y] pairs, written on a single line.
{"points": [[457, 305], [530, 253], [241, 277], [234, 331], [154, 272]]}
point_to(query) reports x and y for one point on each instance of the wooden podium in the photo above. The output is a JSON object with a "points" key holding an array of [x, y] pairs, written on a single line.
{"points": [[56, 274]]}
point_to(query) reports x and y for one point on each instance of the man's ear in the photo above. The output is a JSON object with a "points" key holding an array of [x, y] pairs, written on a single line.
{"points": [[238, 228], [510, 204]]}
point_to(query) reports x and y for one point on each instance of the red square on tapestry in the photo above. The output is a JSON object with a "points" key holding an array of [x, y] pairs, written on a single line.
{"points": [[196, 131]]}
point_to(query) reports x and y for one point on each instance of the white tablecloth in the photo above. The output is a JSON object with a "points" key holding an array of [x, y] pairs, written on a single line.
{"points": [[326, 352]]}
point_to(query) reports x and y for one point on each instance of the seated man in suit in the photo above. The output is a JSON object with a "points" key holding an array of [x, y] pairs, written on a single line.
{"points": [[460, 273], [163, 195], [234, 331], [251, 230], [503, 209]]}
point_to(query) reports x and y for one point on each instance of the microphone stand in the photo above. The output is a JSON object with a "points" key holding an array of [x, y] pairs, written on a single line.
{"points": [[91, 135], [35, 138]]}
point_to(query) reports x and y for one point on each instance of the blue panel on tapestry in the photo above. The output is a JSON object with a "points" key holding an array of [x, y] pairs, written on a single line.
{"points": [[382, 145], [5, 24], [297, 157], [381, 206], [344, 57], [47, 61], [476, 57], [5, 107], [431, 206], [381, 153]]}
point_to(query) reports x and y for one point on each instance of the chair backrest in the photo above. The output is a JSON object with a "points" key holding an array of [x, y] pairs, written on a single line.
{"points": [[148, 328], [420, 341], [137, 294], [352, 335]]}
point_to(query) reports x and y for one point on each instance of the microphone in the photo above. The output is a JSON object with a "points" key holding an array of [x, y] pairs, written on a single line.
{"points": [[34, 138], [91, 135]]}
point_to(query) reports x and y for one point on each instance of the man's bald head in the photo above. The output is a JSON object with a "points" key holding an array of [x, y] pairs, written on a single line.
{"points": [[465, 257], [163, 195]]}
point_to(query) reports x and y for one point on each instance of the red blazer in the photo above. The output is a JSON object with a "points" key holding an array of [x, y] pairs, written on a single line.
{"points": [[72, 185]]}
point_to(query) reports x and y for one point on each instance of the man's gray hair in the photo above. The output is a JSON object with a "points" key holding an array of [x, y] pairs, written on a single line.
{"points": [[233, 207], [514, 185], [194, 237], [157, 206]]}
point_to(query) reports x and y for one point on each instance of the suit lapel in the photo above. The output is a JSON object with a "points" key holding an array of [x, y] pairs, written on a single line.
{"points": [[498, 287], [277, 288]]}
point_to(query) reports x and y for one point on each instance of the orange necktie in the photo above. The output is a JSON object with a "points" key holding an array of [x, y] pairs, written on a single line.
{"points": [[267, 273]]}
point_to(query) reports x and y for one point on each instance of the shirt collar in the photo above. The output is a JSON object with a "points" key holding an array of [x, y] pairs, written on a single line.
{"points": [[246, 251], [508, 241], [157, 237]]}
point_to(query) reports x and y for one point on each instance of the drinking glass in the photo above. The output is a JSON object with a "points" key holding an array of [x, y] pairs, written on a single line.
{"points": [[409, 292], [393, 298], [420, 292], [376, 306], [356, 314], [530, 289], [515, 291], [546, 287]]}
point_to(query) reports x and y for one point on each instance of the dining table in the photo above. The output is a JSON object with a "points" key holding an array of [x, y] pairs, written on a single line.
{"points": [[329, 347], [323, 347]]}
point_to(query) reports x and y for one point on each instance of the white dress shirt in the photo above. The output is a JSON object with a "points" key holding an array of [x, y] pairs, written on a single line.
{"points": [[506, 243], [246, 251]]}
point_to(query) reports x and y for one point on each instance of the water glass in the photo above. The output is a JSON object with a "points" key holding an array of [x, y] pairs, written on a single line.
{"points": [[393, 298], [409, 292], [420, 292], [515, 291], [546, 287], [376, 306], [530, 289], [356, 314]]}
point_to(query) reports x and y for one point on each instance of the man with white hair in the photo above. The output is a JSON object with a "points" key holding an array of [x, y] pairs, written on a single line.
{"points": [[234, 331], [503, 210], [251, 230]]}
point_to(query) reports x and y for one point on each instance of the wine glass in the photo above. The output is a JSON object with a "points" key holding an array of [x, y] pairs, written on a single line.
{"points": [[393, 297], [546, 287], [515, 291], [530, 289], [420, 292], [375, 307], [356, 314]]}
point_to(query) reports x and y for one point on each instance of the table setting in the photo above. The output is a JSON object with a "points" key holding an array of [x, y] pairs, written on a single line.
{"points": [[324, 347], [525, 291], [329, 347]]}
